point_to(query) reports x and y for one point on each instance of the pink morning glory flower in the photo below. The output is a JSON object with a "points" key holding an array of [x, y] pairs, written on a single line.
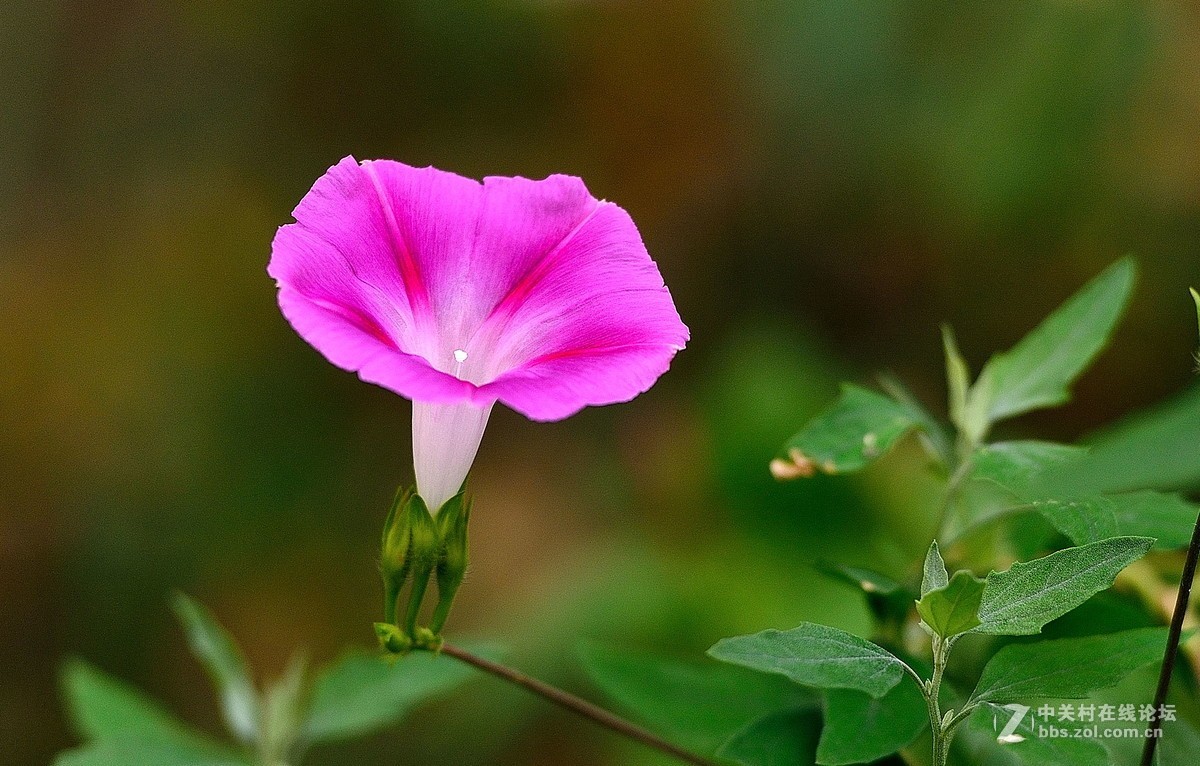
{"points": [[458, 294]]}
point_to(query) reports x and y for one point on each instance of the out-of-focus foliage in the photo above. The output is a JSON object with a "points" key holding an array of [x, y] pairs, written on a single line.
{"points": [[821, 182], [360, 693], [1023, 599]]}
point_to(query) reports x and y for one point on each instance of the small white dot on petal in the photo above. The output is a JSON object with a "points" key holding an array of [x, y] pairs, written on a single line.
{"points": [[460, 356]]}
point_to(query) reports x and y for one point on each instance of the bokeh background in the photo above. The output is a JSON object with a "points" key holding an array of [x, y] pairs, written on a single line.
{"points": [[821, 181]]}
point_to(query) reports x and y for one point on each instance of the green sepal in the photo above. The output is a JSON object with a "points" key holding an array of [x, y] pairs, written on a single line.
{"points": [[394, 546], [391, 639], [423, 531], [452, 561]]}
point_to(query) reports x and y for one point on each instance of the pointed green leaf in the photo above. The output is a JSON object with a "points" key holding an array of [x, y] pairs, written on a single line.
{"points": [[364, 692], [887, 599], [1024, 746], [1196, 300], [968, 404], [1015, 466], [952, 609], [1068, 668], [105, 709], [783, 738], [1179, 744], [1164, 516], [1039, 370], [285, 708], [102, 707], [958, 379], [933, 434], [226, 665], [1022, 599], [859, 427], [1157, 449], [696, 705], [1020, 469], [137, 753], [866, 580], [1083, 521], [815, 655], [862, 729], [934, 574], [1003, 478], [975, 418]]}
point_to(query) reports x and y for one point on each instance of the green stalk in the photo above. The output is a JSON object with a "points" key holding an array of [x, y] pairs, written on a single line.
{"points": [[391, 594], [939, 728], [420, 582], [442, 610]]}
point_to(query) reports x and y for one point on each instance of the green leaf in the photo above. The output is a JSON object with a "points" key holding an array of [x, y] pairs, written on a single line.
{"points": [[862, 729], [102, 707], [783, 738], [1179, 744], [1020, 468], [815, 655], [225, 664], [1151, 450], [933, 434], [1004, 478], [1068, 668], [958, 380], [1022, 599], [866, 580], [934, 574], [364, 692], [138, 753], [1015, 466], [975, 419], [1164, 516], [1196, 300], [1039, 370], [953, 609], [285, 709], [968, 404], [859, 427], [1025, 746], [105, 709], [698, 706]]}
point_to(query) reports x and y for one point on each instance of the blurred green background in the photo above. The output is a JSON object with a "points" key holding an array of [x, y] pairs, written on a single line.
{"points": [[822, 182]]}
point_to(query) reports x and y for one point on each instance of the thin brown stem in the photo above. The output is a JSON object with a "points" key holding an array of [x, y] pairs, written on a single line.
{"points": [[1173, 635], [575, 705]]}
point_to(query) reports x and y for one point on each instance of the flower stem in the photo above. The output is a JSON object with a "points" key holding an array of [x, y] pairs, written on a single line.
{"points": [[1181, 607], [941, 731], [575, 704], [416, 595], [391, 594]]}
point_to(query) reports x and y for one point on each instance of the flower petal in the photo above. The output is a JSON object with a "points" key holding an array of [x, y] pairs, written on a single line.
{"points": [[445, 440], [446, 290], [590, 323], [354, 343], [350, 286]]}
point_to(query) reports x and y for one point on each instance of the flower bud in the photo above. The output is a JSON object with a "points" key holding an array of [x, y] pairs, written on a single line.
{"points": [[452, 563], [424, 544], [394, 559]]}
